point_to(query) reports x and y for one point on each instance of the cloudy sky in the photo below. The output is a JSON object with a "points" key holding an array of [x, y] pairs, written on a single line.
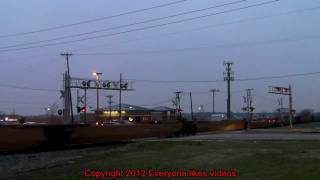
{"points": [[168, 40]]}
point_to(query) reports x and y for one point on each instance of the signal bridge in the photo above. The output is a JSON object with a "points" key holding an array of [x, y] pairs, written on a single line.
{"points": [[83, 83]]}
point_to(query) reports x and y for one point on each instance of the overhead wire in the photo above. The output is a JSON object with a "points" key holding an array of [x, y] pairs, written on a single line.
{"points": [[235, 45], [119, 27], [91, 20], [20, 102], [143, 28], [215, 81], [207, 27], [27, 88], [173, 81]]}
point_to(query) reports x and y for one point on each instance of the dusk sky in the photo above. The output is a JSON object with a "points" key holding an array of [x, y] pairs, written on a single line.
{"points": [[272, 39]]}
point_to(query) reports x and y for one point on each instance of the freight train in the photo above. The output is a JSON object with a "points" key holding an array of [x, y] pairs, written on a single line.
{"points": [[37, 136]]}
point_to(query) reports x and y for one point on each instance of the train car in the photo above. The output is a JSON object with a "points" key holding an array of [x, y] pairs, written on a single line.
{"points": [[25, 137]]}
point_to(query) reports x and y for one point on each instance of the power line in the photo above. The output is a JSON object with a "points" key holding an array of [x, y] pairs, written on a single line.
{"points": [[143, 28], [121, 26], [278, 77], [235, 45], [170, 81], [21, 102], [209, 26], [27, 88], [91, 20], [216, 81]]}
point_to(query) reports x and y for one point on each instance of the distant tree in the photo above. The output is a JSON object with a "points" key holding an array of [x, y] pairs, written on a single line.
{"points": [[22, 120], [306, 114]]}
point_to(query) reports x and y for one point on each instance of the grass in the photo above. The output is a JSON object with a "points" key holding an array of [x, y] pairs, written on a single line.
{"points": [[250, 159], [308, 125]]}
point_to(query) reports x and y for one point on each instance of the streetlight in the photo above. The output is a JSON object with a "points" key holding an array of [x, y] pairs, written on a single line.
{"points": [[97, 75], [48, 110]]}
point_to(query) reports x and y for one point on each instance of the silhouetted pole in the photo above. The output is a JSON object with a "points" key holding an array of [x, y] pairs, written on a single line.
{"points": [[85, 104], [97, 76], [110, 102], [280, 103], [120, 96], [67, 55], [191, 106], [213, 93], [78, 103], [178, 102], [290, 106], [249, 107], [228, 76]]}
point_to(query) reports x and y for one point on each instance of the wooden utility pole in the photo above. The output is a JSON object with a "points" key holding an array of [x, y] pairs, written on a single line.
{"points": [[290, 106], [67, 89], [191, 107], [120, 96]]}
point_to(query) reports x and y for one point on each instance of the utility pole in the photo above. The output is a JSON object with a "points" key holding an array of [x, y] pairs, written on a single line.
{"points": [[228, 76], [67, 81], [249, 107], [290, 106], [78, 103], [65, 94], [120, 96], [213, 92], [85, 104], [110, 102], [97, 76], [192, 118], [178, 102], [280, 103]]}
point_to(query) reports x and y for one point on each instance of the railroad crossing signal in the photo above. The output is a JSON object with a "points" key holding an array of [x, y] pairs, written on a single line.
{"points": [[279, 90], [62, 94], [100, 84], [81, 109], [60, 111], [284, 91], [248, 109]]}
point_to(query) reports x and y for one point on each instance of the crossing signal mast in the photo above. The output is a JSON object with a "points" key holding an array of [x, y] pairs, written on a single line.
{"points": [[213, 98], [86, 84], [248, 108], [284, 91], [177, 103], [93, 84]]}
